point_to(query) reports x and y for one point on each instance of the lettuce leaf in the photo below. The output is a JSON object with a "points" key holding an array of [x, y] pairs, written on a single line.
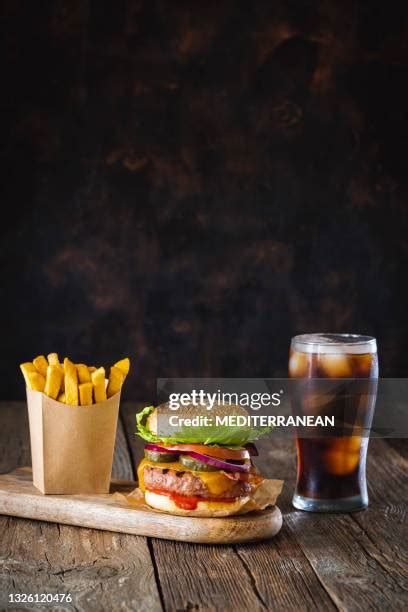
{"points": [[142, 430], [222, 435]]}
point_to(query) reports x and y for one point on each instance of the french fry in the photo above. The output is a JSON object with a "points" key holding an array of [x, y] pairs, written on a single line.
{"points": [[98, 381], [36, 381], [71, 383], [123, 365], [26, 369], [85, 393], [53, 381], [53, 359], [84, 375], [116, 378], [41, 364]]}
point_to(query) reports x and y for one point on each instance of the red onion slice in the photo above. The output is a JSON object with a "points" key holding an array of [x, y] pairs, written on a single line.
{"points": [[221, 465]]}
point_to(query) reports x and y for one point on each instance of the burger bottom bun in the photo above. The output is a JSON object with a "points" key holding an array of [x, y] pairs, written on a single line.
{"points": [[204, 508]]}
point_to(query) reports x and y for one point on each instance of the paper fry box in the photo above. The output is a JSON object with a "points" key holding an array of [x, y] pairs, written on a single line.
{"points": [[72, 446]]}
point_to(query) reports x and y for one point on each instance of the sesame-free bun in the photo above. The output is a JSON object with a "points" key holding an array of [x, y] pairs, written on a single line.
{"points": [[204, 508], [190, 411]]}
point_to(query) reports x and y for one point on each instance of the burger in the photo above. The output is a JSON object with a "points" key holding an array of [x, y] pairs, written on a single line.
{"points": [[203, 471]]}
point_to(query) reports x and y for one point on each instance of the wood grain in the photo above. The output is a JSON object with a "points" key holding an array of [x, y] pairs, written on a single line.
{"points": [[102, 570], [280, 570], [202, 577], [136, 445], [122, 467], [283, 576], [19, 497], [15, 437], [384, 528], [359, 546], [387, 471], [336, 549], [349, 562], [348, 553]]}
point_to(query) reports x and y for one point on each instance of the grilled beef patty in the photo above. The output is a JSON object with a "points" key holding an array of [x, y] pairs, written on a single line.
{"points": [[186, 483]]}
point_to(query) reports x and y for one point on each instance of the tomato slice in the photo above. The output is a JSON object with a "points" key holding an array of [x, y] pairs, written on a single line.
{"points": [[211, 451], [190, 503]]}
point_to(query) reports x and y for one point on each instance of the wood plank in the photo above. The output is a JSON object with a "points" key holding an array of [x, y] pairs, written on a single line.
{"points": [[136, 445], [122, 468], [18, 497], [102, 570], [384, 526], [349, 552], [202, 577], [398, 444], [335, 547], [387, 472], [365, 547], [383, 533], [14, 435], [280, 570], [283, 576]]}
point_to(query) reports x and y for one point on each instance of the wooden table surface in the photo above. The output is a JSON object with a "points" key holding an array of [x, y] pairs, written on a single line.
{"points": [[317, 562]]}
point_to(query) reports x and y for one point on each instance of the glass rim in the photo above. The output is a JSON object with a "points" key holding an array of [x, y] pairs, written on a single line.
{"points": [[324, 342]]}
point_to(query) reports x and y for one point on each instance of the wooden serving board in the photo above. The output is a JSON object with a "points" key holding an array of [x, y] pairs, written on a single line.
{"points": [[19, 497]]}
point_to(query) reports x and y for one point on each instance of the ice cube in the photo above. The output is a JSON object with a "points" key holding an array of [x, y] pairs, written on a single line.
{"points": [[340, 463], [365, 365], [347, 444], [336, 365], [298, 364]]}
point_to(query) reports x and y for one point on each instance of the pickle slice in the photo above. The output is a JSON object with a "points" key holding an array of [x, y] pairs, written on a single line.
{"points": [[160, 457], [195, 465]]}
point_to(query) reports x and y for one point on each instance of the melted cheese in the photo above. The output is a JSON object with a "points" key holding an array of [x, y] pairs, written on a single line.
{"points": [[216, 482]]}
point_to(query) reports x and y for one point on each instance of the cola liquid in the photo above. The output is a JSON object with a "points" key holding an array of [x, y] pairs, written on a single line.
{"points": [[339, 377]]}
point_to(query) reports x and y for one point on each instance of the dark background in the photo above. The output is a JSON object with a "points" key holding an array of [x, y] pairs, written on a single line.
{"points": [[192, 183]]}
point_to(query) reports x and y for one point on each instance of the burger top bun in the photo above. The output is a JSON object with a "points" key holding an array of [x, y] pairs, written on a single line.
{"points": [[204, 508], [190, 411]]}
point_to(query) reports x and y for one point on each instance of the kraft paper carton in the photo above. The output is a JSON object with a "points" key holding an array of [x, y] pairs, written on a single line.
{"points": [[72, 446]]}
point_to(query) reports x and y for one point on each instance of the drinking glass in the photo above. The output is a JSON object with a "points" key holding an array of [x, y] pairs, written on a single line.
{"points": [[338, 375]]}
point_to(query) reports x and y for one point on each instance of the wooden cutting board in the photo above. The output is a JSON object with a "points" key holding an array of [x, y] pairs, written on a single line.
{"points": [[18, 497]]}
